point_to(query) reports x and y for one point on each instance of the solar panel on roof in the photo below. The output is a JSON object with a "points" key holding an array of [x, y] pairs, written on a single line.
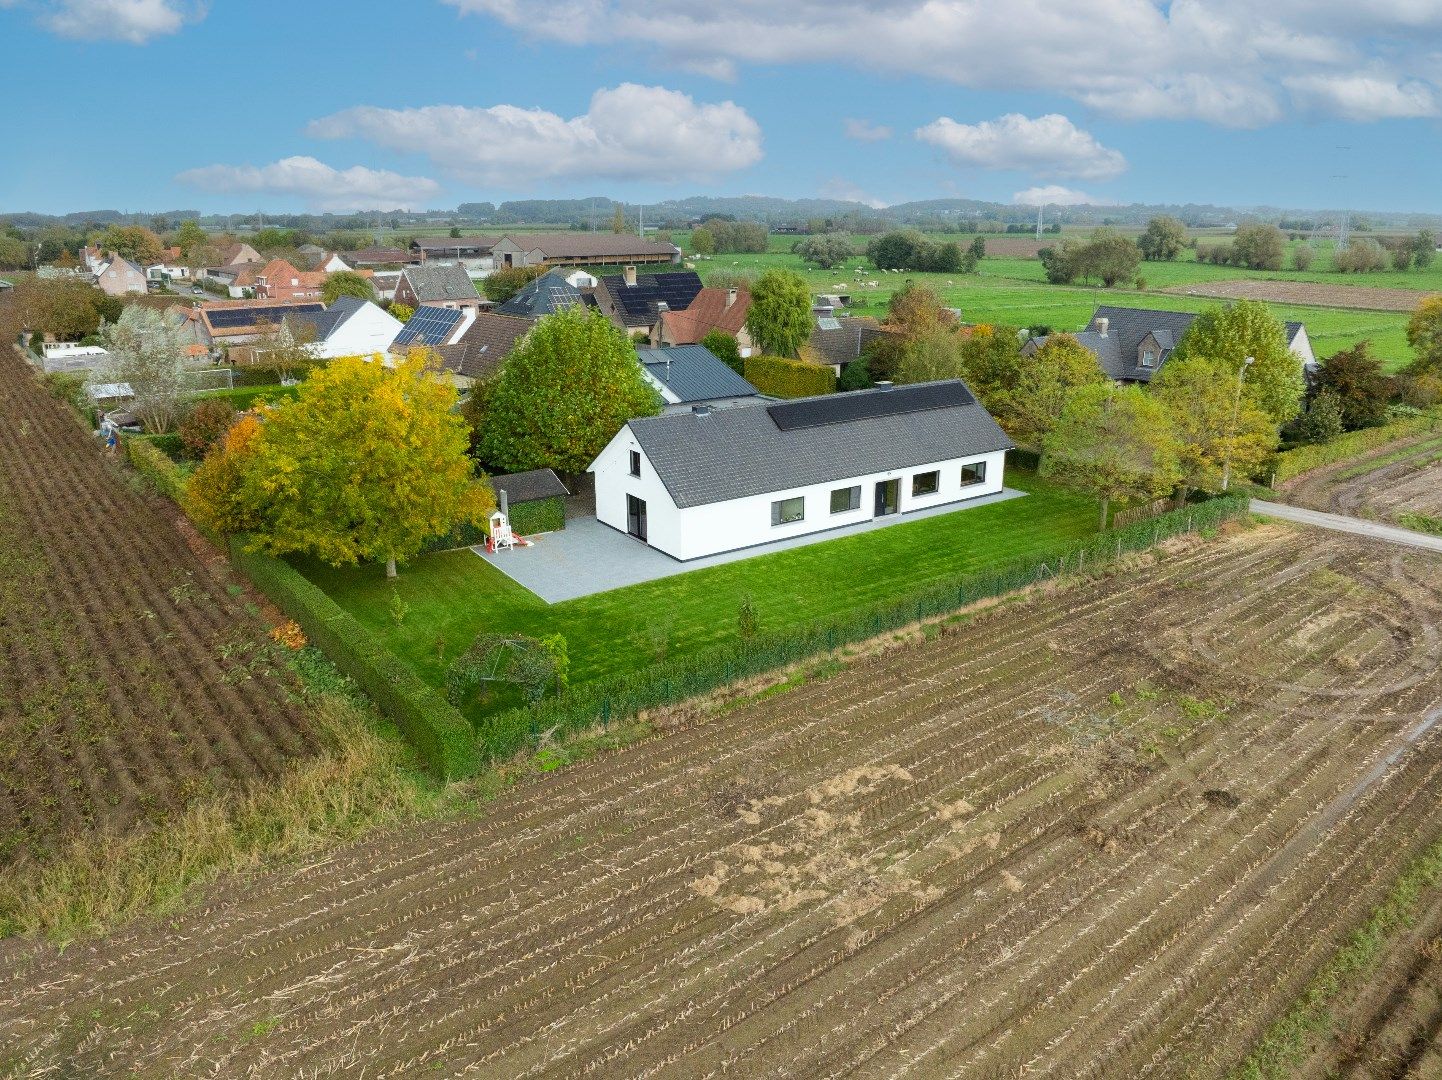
{"points": [[429, 326], [868, 405], [229, 318], [676, 290]]}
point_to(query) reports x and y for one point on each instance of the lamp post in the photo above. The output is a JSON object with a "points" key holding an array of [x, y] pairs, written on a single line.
{"points": [[1236, 413]]}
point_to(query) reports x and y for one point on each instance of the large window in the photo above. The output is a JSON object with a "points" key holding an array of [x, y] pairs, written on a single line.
{"points": [[788, 511], [635, 463], [925, 483], [975, 473], [844, 499]]}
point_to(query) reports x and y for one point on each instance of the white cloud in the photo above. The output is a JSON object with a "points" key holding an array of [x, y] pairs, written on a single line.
{"points": [[1221, 61], [132, 21], [1056, 195], [318, 184], [629, 132], [1049, 145], [1362, 97], [844, 189], [865, 130]]}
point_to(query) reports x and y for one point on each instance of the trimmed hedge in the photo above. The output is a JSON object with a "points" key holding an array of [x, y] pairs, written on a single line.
{"points": [[437, 731], [462, 536], [506, 733], [1292, 463], [538, 516], [779, 377], [151, 462]]}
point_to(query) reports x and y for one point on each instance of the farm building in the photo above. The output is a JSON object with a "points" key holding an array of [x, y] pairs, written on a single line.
{"points": [[704, 481], [1131, 344], [690, 375]]}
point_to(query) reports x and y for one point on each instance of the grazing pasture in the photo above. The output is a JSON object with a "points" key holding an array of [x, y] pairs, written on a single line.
{"points": [[1110, 830]]}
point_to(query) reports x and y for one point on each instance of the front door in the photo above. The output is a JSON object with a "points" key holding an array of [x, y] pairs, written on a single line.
{"points": [[636, 517], [888, 492]]}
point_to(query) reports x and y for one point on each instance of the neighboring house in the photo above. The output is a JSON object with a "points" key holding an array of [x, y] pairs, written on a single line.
{"points": [[690, 375], [701, 482], [186, 323], [71, 356], [385, 282], [238, 278], [1131, 344], [713, 309], [441, 284], [280, 280], [378, 256], [328, 262], [579, 249], [548, 294], [431, 327], [173, 271], [636, 302], [92, 258], [478, 353], [235, 254], [238, 322], [349, 327], [838, 341], [120, 277]]}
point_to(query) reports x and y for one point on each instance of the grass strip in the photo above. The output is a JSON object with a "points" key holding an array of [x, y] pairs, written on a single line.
{"points": [[1285, 1043]]}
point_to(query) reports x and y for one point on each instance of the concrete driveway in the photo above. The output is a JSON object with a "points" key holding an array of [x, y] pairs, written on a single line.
{"points": [[587, 557]]}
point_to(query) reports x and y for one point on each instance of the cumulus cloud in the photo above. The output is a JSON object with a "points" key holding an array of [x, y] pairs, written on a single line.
{"points": [[1221, 61], [865, 130], [1049, 145], [1056, 195], [132, 21], [318, 184], [628, 132], [1362, 97]]}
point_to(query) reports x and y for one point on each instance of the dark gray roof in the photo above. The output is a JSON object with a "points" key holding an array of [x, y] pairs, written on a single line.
{"points": [[529, 486], [845, 343], [547, 295], [1118, 351], [639, 304], [734, 453], [694, 373], [437, 281], [325, 322]]}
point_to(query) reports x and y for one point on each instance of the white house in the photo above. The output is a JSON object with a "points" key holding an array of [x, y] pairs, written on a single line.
{"points": [[161, 271], [698, 483], [350, 327]]}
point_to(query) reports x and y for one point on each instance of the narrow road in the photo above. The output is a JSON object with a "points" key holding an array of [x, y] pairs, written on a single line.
{"points": [[1342, 523]]}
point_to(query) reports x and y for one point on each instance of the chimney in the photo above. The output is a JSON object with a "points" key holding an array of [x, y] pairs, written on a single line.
{"points": [[730, 297], [701, 410], [884, 385], [630, 273], [1102, 324]]}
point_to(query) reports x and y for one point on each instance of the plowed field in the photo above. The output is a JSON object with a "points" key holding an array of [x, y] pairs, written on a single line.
{"points": [[131, 680], [1389, 484], [1108, 832], [1310, 293]]}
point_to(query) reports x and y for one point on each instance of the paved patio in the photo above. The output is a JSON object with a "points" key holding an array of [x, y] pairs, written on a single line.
{"points": [[587, 557]]}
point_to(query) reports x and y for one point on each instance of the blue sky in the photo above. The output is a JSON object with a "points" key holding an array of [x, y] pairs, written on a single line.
{"points": [[429, 103]]}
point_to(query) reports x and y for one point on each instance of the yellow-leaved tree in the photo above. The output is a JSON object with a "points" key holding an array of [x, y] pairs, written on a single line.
{"points": [[366, 463]]}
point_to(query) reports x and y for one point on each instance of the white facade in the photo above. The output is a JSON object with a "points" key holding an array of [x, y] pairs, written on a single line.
{"points": [[369, 330], [1301, 347], [160, 271], [698, 531]]}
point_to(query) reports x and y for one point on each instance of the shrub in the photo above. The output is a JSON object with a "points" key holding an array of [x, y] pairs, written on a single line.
{"points": [[723, 346], [779, 377], [152, 463], [855, 376], [1302, 257], [204, 426], [432, 726]]}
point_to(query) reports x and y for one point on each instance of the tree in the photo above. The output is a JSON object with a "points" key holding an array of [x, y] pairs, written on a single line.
{"points": [[146, 352], [780, 315], [1163, 239], [1061, 262], [204, 425], [563, 393], [1045, 383], [1402, 257], [366, 463], [455, 232], [1110, 256], [190, 238], [978, 248], [133, 242], [1218, 432], [66, 307], [618, 220], [930, 353], [1302, 257], [703, 241], [402, 312], [215, 494], [1246, 328], [501, 285], [1424, 335], [1363, 390], [825, 251], [725, 348], [1424, 249], [1113, 443], [346, 283], [1259, 246], [855, 376], [1322, 422], [286, 348]]}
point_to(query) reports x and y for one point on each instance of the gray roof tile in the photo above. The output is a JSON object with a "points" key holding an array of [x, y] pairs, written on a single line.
{"points": [[694, 373]]}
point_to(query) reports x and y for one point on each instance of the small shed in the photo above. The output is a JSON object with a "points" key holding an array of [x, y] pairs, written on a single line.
{"points": [[534, 501]]}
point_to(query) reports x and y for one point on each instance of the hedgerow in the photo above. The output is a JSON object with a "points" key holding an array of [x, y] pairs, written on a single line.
{"points": [[779, 377], [1291, 463]]}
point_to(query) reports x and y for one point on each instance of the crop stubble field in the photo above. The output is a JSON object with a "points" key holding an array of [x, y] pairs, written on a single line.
{"points": [[131, 680], [1389, 484], [1109, 831]]}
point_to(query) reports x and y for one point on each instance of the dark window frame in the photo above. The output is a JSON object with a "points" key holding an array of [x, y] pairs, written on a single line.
{"points": [[853, 499], [934, 475], [778, 517], [977, 471], [635, 463]]}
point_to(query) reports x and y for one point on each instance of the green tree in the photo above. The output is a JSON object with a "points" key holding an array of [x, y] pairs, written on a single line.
{"points": [[455, 232], [569, 386], [1322, 422], [1424, 249], [1302, 256], [347, 283], [402, 312], [1045, 383], [500, 285], [930, 353], [1163, 239], [133, 242], [856, 376], [1362, 388], [780, 315], [978, 249], [366, 463], [1110, 256], [146, 352], [725, 348], [826, 250], [1113, 443], [1259, 246], [1424, 334], [1062, 262], [618, 220], [190, 238], [67, 308], [703, 241], [1246, 328], [1218, 431]]}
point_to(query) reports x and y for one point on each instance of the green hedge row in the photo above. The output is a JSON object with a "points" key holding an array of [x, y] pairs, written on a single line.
{"points": [[155, 465], [541, 515], [437, 731], [779, 377], [1292, 463], [504, 734]]}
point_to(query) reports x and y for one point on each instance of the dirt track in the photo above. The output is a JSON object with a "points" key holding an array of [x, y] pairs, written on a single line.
{"points": [[1401, 478], [1108, 832]]}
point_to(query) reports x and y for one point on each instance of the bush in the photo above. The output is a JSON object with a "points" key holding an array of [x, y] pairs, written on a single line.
{"points": [[152, 463], [723, 346], [1302, 257], [855, 376], [69, 386], [204, 425], [668, 681], [779, 377], [432, 726], [541, 515], [1292, 463]]}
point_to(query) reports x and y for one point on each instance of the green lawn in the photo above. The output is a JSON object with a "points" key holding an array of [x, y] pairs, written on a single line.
{"points": [[450, 597]]}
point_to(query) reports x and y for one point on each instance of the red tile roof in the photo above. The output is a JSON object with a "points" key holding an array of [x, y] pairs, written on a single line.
{"points": [[707, 312]]}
